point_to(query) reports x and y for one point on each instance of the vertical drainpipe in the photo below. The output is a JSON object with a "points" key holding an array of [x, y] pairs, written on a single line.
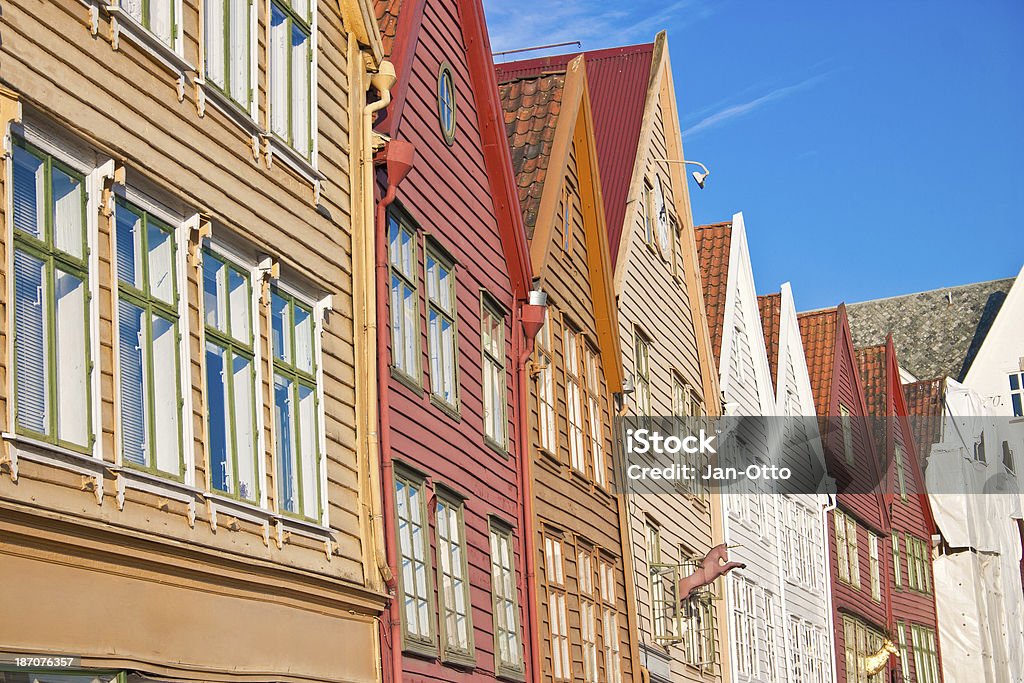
{"points": [[527, 320]]}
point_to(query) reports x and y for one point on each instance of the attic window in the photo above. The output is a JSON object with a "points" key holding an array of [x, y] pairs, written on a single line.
{"points": [[446, 102]]}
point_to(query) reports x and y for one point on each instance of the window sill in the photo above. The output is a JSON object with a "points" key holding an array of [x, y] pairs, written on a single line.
{"points": [[407, 380], [445, 407], [420, 650], [275, 148], [498, 448], [27, 448], [225, 105], [462, 662], [123, 23], [510, 675]]}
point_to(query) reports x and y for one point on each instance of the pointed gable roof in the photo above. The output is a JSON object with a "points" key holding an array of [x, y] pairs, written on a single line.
{"points": [[925, 405], [770, 306], [618, 78], [871, 364], [531, 106], [818, 332], [713, 246], [937, 333]]}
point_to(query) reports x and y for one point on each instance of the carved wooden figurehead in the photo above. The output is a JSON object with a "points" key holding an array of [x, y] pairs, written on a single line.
{"points": [[874, 663], [716, 563]]}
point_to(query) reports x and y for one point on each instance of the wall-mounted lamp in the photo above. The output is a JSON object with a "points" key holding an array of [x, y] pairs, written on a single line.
{"points": [[698, 176]]}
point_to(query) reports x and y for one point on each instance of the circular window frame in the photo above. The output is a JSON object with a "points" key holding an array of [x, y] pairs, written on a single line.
{"points": [[447, 135]]}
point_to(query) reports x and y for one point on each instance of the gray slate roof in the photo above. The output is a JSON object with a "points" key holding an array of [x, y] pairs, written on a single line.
{"points": [[936, 333]]}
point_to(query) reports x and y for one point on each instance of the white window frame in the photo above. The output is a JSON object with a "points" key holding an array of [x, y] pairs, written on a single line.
{"points": [[875, 567], [220, 96], [411, 340], [557, 599], [495, 376], [1017, 393], [448, 502], [572, 370], [547, 401], [279, 146], [611, 641], [504, 599]]}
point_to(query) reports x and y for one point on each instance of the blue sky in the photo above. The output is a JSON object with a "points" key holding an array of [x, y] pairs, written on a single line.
{"points": [[875, 148]]}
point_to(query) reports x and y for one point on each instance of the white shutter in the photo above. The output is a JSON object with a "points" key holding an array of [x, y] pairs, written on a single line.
{"points": [[214, 20], [238, 53], [160, 20], [161, 263], [307, 458], [278, 72], [30, 343], [166, 411], [72, 370], [133, 390], [67, 213], [301, 113], [245, 438]]}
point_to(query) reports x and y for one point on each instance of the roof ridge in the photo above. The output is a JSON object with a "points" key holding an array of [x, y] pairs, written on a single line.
{"points": [[935, 290]]}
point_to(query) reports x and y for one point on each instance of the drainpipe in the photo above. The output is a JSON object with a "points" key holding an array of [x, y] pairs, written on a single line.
{"points": [[528, 319]]}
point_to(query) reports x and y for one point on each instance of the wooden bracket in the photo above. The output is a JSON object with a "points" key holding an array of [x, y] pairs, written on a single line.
{"points": [[269, 269], [10, 111], [200, 228], [9, 464]]}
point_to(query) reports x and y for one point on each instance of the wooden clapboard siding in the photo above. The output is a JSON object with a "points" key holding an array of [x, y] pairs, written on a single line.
{"points": [[122, 104]]}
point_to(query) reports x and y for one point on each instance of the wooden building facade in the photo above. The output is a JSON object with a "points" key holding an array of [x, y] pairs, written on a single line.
{"points": [[858, 526], [912, 526], [184, 491], [453, 275], [586, 628]]}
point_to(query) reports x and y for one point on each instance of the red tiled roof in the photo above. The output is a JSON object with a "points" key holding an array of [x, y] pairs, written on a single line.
{"points": [[871, 364], [387, 20], [713, 245], [770, 306], [818, 331], [531, 107], [618, 79], [924, 404]]}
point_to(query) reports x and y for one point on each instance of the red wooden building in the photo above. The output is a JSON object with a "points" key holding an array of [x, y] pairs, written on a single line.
{"points": [[858, 526], [453, 279], [911, 523]]}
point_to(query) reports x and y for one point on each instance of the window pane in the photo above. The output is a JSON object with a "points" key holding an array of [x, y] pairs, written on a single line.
{"points": [[214, 46], [284, 427], [303, 339], [131, 354], [30, 343], [281, 328], [129, 246], [214, 301], [238, 53], [160, 20], [300, 91], [218, 420], [68, 213], [308, 459], [244, 416], [278, 71], [72, 371], [238, 291], [133, 8], [166, 411], [29, 179], [301, 8], [161, 262]]}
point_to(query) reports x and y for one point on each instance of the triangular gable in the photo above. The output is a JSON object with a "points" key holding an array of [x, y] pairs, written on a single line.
{"points": [[402, 21], [542, 153], [714, 244], [783, 341], [1005, 330]]}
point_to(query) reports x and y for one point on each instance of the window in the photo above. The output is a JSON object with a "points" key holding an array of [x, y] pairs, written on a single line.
{"points": [[680, 398], [900, 475], [844, 414], [442, 341], [744, 623], [846, 549], [875, 567], [642, 379], [896, 569], [495, 404], [508, 647], [662, 608], [610, 623], [230, 378], [573, 400], [595, 411], [926, 655], [290, 74], [558, 620], [446, 102], [157, 16], [228, 27], [567, 213], [698, 630], [801, 534], [588, 618], [859, 641], [413, 576], [771, 609], [901, 636], [453, 584], [647, 211], [296, 405], [798, 658], [1017, 393], [52, 370], [405, 302], [1008, 457], [919, 564], [545, 378], [148, 342], [979, 449]]}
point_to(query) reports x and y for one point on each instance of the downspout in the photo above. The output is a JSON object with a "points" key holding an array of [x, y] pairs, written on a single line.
{"points": [[527, 320]]}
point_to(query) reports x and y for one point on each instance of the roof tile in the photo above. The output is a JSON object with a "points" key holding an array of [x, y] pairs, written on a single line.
{"points": [[770, 306], [818, 332], [713, 245]]}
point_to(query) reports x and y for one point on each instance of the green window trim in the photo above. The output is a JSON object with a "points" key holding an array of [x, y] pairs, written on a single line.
{"points": [[146, 19], [512, 666], [233, 347], [293, 20], [53, 259], [151, 305], [300, 378], [228, 47]]}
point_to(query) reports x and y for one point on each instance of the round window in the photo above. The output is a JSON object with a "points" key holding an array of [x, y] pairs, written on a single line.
{"points": [[446, 102]]}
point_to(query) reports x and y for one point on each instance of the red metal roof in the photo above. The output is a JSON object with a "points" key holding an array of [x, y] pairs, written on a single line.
{"points": [[531, 106], [818, 331], [770, 306], [713, 244], [618, 78]]}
